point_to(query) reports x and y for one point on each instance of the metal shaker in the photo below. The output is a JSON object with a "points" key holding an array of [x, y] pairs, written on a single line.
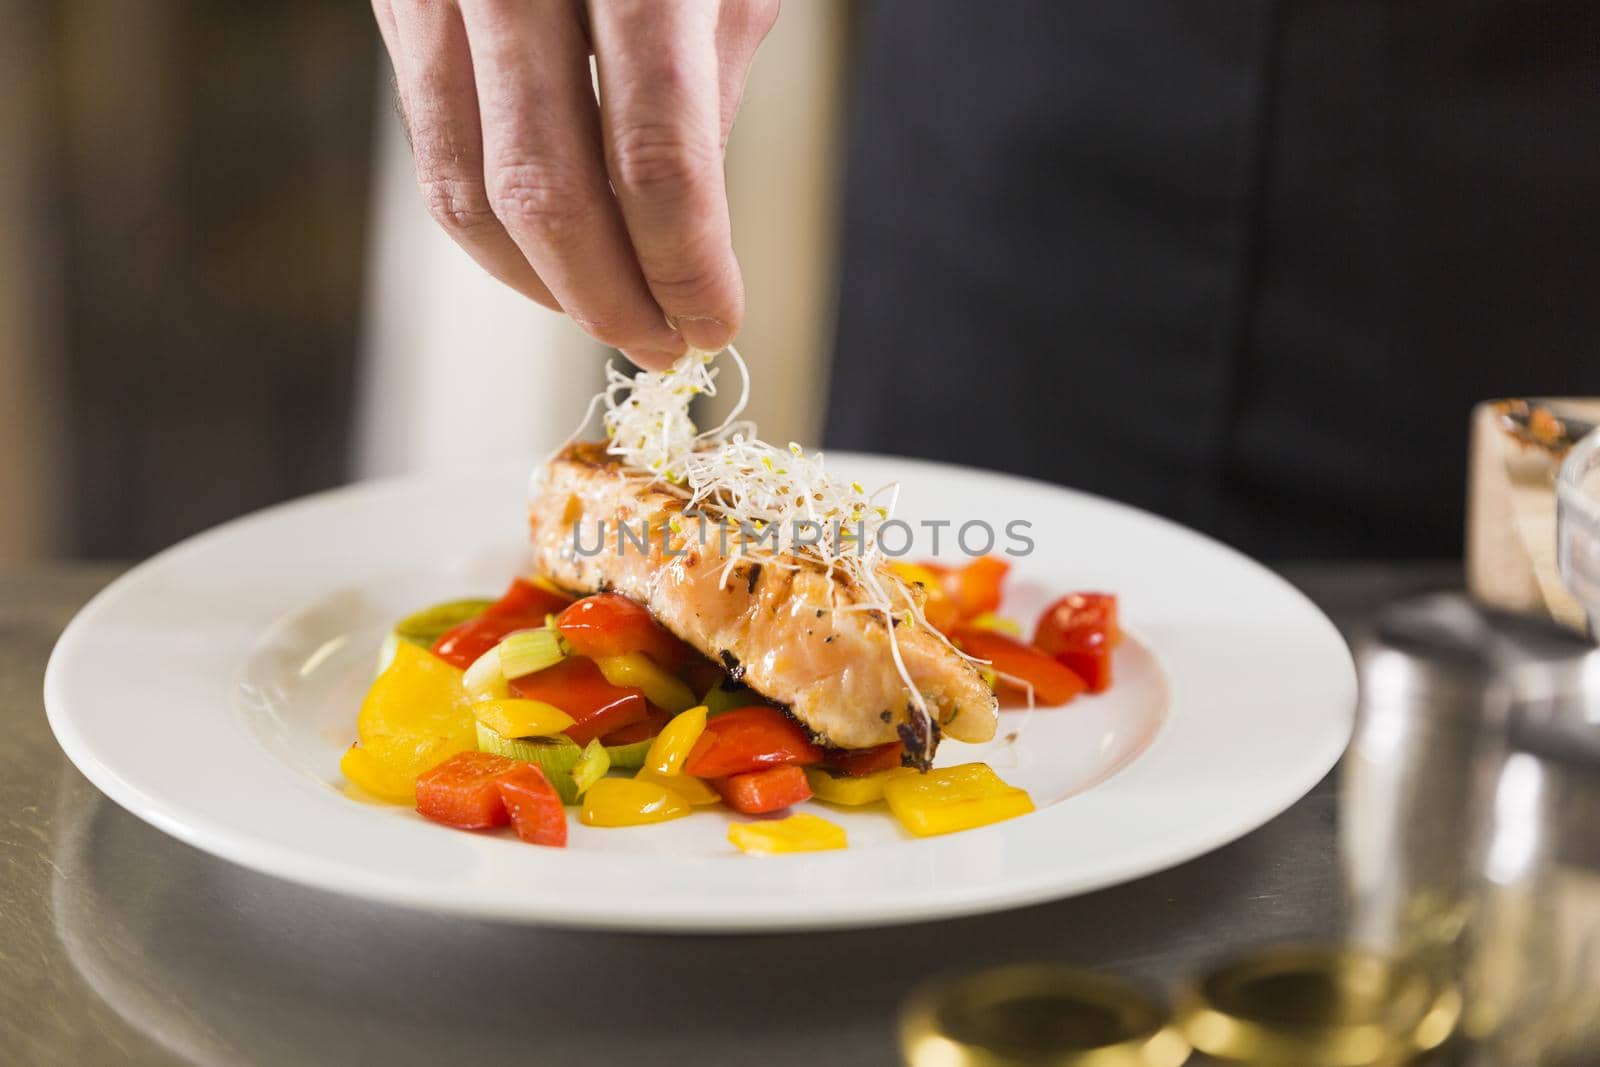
{"points": [[1416, 779], [1578, 526], [1470, 832], [1532, 966]]}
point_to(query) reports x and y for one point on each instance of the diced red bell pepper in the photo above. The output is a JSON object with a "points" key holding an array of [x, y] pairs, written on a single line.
{"points": [[462, 791], [760, 792], [525, 600], [749, 739], [609, 624], [466, 641], [1080, 631], [857, 762], [576, 686], [1093, 665], [523, 607], [534, 806], [643, 730], [975, 588], [479, 790], [1052, 682]]}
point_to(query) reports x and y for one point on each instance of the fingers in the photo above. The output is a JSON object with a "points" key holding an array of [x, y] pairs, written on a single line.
{"points": [[441, 110], [544, 175], [385, 15], [661, 113], [741, 29]]}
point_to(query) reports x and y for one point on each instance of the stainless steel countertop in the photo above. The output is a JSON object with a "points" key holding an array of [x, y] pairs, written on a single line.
{"points": [[119, 944]]}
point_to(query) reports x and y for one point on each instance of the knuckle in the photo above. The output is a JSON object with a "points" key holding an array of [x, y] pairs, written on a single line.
{"points": [[756, 17], [535, 199], [611, 332], [689, 283], [459, 205], [655, 160]]}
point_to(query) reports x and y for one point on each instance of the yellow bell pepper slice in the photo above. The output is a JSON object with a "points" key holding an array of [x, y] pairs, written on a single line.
{"points": [[640, 671], [630, 802], [415, 716], [953, 798], [999, 624], [675, 741], [851, 790], [376, 778], [546, 584], [797, 833], [917, 574], [694, 790], [522, 718]]}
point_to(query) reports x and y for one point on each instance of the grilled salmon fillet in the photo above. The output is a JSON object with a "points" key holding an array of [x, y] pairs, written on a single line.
{"points": [[774, 627]]}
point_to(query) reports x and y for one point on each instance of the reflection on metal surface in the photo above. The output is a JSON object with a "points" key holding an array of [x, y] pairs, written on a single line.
{"points": [[107, 961], [1533, 966], [1305, 1006], [1416, 779], [1578, 526], [1034, 1016], [1471, 798]]}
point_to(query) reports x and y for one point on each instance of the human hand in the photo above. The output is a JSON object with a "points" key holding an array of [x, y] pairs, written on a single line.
{"points": [[614, 212]]}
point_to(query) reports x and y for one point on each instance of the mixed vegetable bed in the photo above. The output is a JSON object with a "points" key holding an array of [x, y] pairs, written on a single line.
{"points": [[506, 713]]}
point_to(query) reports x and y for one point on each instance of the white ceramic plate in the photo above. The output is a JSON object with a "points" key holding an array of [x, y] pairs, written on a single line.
{"points": [[211, 691]]}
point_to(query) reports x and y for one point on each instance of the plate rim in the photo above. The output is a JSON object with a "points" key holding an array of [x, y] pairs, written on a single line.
{"points": [[213, 836]]}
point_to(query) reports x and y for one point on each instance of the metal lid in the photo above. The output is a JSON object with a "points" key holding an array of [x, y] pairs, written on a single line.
{"points": [[1313, 1006], [1443, 653], [1428, 647], [1037, 1015], [1552, 677]]}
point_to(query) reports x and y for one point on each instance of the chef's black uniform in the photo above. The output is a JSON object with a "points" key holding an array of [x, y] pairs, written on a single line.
{"points": [[1247, 264]]}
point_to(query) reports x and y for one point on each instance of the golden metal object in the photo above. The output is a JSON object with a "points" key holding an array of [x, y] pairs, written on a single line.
{"points": [[1308, 1006], [1037, 1016]]}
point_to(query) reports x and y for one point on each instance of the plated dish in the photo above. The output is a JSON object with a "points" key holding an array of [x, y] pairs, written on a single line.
{"points": [[713, 620], [489, 713], [214, 691]]}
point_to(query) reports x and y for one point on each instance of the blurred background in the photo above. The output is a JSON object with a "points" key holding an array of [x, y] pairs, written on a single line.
{"points": [[1248, 264], [219, 289]]}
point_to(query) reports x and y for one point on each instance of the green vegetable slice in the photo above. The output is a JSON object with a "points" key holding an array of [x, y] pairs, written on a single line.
{"points": [[528, 651], [628, 757], [591, 766], [725, 696], [555, 757], [428, 625], [558, 757]]}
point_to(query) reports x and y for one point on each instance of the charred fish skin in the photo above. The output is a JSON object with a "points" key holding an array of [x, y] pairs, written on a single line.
{"points": [[794, 630]]}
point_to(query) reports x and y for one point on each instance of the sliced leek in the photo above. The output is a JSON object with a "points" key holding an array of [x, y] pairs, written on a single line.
{"points": [[629, 757], [428, 625], [725, 696], [483, 679], [591, 766], [425, 627], [529, 651], [554, 756]]}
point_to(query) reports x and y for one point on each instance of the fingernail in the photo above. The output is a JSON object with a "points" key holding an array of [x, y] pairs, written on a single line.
{"points": [[651, 358], [703, 332]]}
